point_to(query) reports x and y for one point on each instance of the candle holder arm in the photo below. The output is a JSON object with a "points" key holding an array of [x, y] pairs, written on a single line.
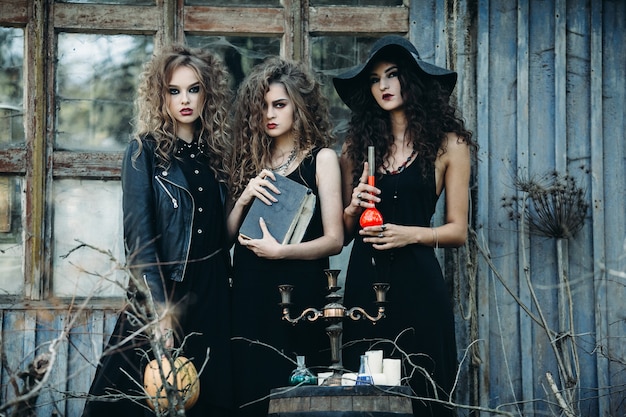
{"points": [[357, 313], [310, 314]]}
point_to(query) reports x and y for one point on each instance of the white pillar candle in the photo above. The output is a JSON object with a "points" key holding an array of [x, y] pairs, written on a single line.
{"points": [[379, 379], [375, 361], [322, 376], [348, 379], [392, 371]]}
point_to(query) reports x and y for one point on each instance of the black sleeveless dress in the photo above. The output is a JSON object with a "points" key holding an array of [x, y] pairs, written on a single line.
{"points": [[418, 299], [257, 314]]}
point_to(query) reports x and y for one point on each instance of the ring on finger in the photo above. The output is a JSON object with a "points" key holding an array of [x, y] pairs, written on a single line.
{"points": [[358, 196], [381, 235], [383, 227]]}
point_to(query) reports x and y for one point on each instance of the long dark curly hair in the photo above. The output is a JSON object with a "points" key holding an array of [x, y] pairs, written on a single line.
{"points": [[154, 120], [251, 145], [429, 113]]}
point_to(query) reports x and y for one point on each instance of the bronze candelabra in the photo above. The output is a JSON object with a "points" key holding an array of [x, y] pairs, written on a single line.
{"points": [[334, 313]]}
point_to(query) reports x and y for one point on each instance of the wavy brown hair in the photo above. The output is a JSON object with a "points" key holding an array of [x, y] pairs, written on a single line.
{"points": [[154, 119], [251, 145], [429, 113]]}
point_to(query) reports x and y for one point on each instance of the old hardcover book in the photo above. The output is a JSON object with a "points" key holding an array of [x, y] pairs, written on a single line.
{"points": [[287, 219]]}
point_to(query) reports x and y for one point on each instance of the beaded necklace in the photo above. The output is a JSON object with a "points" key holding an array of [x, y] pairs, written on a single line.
{"points": [[401, 167]]}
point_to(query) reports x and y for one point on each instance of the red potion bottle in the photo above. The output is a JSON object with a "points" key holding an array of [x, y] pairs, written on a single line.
{"points": [[371, 216]]}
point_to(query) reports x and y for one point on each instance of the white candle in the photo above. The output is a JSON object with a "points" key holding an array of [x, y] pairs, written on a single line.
{"points": [[375, 361], [379, 379], [392, 371], [348, 379], [322, 376]]}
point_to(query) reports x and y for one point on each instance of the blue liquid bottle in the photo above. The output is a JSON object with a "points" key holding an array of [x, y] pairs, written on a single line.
{"points": [[364, 377]]}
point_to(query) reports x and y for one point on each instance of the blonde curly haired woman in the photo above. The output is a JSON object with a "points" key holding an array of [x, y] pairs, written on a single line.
{"points": [[173, 182]]}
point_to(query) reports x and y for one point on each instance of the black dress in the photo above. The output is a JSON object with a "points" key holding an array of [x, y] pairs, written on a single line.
{"points": [[203, 303], [418, 299], [257, 314]]}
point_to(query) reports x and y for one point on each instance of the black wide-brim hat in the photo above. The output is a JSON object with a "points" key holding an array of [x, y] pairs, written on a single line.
{"points": [[348, 83]]}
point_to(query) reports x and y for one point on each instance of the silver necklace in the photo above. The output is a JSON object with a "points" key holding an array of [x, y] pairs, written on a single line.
{"points": [[282, 168]]}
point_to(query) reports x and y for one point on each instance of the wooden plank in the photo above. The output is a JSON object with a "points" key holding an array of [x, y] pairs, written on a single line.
{"points": [[421, 16], [46, 332], [598, 205], [29, 336], [79, 369], [50, 327], [233, 21], [484, 289], [90, 18], [3, 372], [13, 160], [542, 259], [35, 178], [95, 165], [439, 58], [580, 259], [527, 378], [503, 240], [11, 325], [18, 347], [356, 20], [13, 12], [608, 122], [560, 82]]}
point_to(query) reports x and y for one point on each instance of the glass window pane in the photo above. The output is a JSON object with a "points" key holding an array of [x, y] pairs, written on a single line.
{"points": [[251, 3], [90, 212], [96, 82], [388, 3], [11, 86], [239, 53], [330, 56], [11, 236]]}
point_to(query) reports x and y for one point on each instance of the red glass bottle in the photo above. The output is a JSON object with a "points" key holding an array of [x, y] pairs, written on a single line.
{"points": [[371, 216]]}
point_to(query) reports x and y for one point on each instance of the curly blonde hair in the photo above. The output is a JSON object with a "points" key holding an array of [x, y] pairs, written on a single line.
{"points": [[251, 145], [154, 119]]}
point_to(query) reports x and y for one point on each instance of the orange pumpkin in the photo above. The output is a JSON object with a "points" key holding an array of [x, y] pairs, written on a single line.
{"points": [[187, 382]]}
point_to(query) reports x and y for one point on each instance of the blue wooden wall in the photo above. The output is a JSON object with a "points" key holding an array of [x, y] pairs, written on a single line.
{"points": [[547, 93]]}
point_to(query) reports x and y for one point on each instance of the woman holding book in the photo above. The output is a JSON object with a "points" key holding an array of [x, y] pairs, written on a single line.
{"points": [[174, 194], [400, 105], [281, 127]]}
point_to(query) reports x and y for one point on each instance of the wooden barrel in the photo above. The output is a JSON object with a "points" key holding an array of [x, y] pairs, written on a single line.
{"points": [[350, 401]]}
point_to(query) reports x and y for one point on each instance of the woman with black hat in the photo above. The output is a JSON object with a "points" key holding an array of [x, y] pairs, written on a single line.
{"points": [[400, 105]]}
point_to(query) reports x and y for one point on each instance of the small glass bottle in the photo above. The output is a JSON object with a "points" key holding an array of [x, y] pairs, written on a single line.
{"points": [[301, 375], [364, 377]]}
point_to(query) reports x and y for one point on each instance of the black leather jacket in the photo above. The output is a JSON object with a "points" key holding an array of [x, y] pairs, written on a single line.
{"points": [[158, 216]]}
